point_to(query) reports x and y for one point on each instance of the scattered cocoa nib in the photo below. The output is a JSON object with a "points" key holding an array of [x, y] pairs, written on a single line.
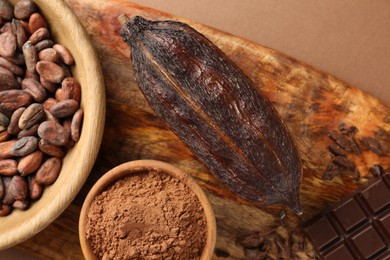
{"points": [[347, 130], [371, 144], [344, 162], [341, 140], [337, 150]]}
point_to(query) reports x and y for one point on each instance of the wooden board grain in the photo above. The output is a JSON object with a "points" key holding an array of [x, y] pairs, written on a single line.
{"points": [[312, 103]]}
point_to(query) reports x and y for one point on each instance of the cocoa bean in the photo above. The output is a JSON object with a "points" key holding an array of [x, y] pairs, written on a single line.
{"points": [[49, 171], [21, 36], [17, 59], [4, 136], [4, 122], [49, 86], [24, 9], [50, 117], [18, 188], [8, 82], [13, 127], [24, 146], [49, 103], [8, 44], [8, 167], [7, 27], [11, 66], [30, 163], [20, 204], [5, 71], [67, 126], [35, 89], [76, 125], [5, 149], [30, 56], [1, 189], [59, 95], [35, 189], [31, 116], [35, 22], [5, 210], [6, 10], [50, 71], [51, 149], [8, 196], [43, 45], [71, 89], [48, 54], [13, 99], [39, 35], [29, 75], [32, 131], [64, 108], [64, 54], [53, 132]]}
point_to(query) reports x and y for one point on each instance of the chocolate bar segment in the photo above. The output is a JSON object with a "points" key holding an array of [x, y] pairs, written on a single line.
{"points": [[357, 227]]}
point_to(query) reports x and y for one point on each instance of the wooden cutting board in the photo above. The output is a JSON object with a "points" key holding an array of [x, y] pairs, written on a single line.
{"points": [[312, 103]]}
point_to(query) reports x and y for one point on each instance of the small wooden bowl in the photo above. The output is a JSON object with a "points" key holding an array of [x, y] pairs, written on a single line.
{"points": [[77, 164], [142, 166]]}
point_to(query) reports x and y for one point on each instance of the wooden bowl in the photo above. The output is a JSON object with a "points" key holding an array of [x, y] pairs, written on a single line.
{"points": [[135, 167], [78, 162]]}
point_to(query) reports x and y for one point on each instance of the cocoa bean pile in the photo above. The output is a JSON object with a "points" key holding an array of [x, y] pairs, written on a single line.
{"points": [[40, 115]]}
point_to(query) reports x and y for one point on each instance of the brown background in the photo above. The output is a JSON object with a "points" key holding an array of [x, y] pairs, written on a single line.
{"points": [[349, 39]]}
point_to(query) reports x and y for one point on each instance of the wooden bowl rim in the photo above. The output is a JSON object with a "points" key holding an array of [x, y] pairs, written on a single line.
{"points": [[135, 167]]}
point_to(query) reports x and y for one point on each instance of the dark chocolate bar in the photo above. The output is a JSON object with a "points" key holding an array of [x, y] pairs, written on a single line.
{"points": [[357, 227]]}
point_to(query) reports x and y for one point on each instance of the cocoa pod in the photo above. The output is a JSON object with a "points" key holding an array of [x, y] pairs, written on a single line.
{"points": [[35, 22], [5, 210], [71, 89], [6, 10], [8, 44], [13, 127], [4, 136], [31, 116], [11, 66], [8, 82], [30, 56], [64, 108], [24, 9], [5, 149], [21, 36], [24, 146], [8, 167], [13, 99], [35, 189], [18, 188], [212, 106], [64, 54], [39, 35], [4, 122], [48, 43], [30, 163], [53, 132], [51, 149], [49, 171], [50, 71], [34, 88], [20, 204], [32, 131], [75, 127], [48, 54]]}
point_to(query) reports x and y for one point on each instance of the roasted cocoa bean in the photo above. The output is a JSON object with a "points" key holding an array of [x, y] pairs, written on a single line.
{"points": [[71, 89], [6, 10], [5, 149], [49, 86], [35, 89], [11, 66], [53, 132], [34, 188], [18, 188], [35, 22], [4, 122], [48, 103], [8, 44], [64, 108], [30, 56], [51, 149], [43, 45], [8, 196], [24, 9], [76, 125], [50, 71], [13, 127], [31, 116], [4, 136], [48, 54], [6, 72], [50, 117], [24, 146], [39, 35], [49, 171], [30, 163], [67, 124], [8, 82], [64, 54], [32, 131], [59, 95], [8, 167], [21, 36], [13, 99]]}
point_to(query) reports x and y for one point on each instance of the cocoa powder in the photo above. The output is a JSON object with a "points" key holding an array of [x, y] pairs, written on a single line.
{"points": [[150, 215]]}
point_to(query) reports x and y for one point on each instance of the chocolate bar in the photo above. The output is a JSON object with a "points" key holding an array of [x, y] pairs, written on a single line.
{"points": [[357, 227]]}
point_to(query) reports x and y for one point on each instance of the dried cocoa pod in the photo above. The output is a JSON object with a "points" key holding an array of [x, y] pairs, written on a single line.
{"points": [[8, 167], [30, 163], [31, 116], [13, 127], [8, 44], [8, 82], [51, 149], [21, 36], [30, 56], [48, 54], [64, 54], [71, 89], [50, 71], [35, 89], [76, 125], [24, 146], [35, 190], [215, 109], [64, 108], [53, 132], [49, 171], [13, 99], [6, 10], [24, 9], [35, 22], [5, 149]]}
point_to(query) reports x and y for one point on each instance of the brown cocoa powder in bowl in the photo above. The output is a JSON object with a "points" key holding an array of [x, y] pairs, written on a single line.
{"points": [[150, 215]]}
